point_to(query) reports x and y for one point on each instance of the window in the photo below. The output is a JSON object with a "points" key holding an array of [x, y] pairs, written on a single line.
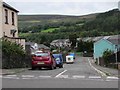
{"points": [[6, 16], [13, 22], [42, 54]]}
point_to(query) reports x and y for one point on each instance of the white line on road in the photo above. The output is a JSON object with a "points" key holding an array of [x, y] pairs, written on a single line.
{"points": [[76, 76], [45, 76], [60, 73], [27, 76], [112, 77], [11, 75], [62, 76], [94, 77], [102, 73], [1, 76]]}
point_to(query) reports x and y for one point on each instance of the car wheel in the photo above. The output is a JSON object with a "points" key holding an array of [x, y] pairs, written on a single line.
{"points": [[61, 66], [55, 67], [33, 68], [52, 67], [40, 68]]}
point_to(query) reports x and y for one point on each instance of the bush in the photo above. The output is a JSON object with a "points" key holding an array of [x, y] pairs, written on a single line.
{"points": [[106, 55], [13, 55]]}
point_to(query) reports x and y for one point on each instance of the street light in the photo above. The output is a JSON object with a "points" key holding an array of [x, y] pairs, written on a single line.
{"points": [[116, 47]]}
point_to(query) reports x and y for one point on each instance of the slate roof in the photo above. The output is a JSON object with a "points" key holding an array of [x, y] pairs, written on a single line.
{"points": [[8, 6], [39, 45], [114, 39], [43, 46]]}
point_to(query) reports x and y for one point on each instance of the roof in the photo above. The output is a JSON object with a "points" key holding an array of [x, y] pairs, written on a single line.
{"points": [[60, 40], [8, 6], [39, 45], [114, 39], [43, 46]]}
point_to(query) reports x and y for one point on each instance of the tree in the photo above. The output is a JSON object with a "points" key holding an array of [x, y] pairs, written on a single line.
{"points": [[106, 55], [73, 40]]}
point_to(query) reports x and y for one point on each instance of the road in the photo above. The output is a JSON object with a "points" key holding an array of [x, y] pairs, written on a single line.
{"points": [[81, 74]]}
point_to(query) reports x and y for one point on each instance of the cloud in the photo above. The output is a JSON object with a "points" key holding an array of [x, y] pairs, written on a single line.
{"points": [[62, 0], [66, 8]]}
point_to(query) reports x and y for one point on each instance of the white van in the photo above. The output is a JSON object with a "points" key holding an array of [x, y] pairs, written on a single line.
{"points": [[69, 59]]}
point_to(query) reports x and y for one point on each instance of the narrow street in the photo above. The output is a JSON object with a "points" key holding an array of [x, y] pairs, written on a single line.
{"points": [[81, 74]]}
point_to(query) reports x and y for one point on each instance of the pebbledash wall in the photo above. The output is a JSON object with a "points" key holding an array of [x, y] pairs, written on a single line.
{"points": [[7, 28], [1, 8]]}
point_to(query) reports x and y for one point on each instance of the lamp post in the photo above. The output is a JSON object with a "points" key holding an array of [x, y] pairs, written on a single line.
{"points": [[116, 47]]}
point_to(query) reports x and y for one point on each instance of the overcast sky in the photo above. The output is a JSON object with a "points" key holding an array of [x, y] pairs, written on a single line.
{"points": [[63, 7]]}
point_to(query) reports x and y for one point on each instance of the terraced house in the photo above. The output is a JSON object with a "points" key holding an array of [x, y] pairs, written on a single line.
{"points": [[9, 24]]}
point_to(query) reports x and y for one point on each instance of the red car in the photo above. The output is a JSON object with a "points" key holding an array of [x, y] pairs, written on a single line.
{"points": [[43, 60]]}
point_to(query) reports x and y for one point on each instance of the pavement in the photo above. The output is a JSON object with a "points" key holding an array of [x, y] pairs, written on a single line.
{"points": [[107, 71], [12, 71]]}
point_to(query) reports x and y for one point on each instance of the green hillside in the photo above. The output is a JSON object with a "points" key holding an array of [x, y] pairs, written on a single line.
{"points": [[37, 23], [39, 28]]}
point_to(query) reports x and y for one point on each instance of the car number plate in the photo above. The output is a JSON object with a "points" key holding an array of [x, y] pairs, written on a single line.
{"points": [[40, 63]]}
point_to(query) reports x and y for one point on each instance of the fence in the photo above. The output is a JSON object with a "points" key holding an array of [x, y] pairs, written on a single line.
{"points": [[112, 61]]}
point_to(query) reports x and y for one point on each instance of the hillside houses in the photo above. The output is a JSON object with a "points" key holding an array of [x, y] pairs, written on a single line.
{"points": [[67, 43], [61, 43]]}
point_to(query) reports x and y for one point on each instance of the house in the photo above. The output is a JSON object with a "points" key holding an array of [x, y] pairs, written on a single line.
{"points": [[31, 47], [108, 42], [61, 43], [9, 24]]}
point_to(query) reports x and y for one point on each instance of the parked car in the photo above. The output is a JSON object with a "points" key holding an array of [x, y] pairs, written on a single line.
{"points": [[59, 60], [43, 60]]}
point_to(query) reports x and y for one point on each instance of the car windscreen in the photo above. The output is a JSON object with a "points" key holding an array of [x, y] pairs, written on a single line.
{"points": [[42, 54]]}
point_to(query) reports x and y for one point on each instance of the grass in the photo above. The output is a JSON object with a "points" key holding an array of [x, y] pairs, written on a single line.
{"points": [[43, 31], [49, 30]]}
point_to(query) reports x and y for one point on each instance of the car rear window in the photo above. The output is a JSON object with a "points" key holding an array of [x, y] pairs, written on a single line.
{"points": [[42, 54]]}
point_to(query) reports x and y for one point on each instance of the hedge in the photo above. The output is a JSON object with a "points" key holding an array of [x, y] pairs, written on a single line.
{"points": [[13, 56]]}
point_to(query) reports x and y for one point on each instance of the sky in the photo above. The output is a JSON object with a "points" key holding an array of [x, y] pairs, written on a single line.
{"points": [[62, 7]]}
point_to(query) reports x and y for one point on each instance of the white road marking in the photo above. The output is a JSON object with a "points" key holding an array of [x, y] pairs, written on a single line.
{"points": [[11, 75], [94, 77], [27, 76], [60, 73], [102, 73], [7, 77], [1, 76], [45, 76], [76, 76], [62, 76], [112, 77]]}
